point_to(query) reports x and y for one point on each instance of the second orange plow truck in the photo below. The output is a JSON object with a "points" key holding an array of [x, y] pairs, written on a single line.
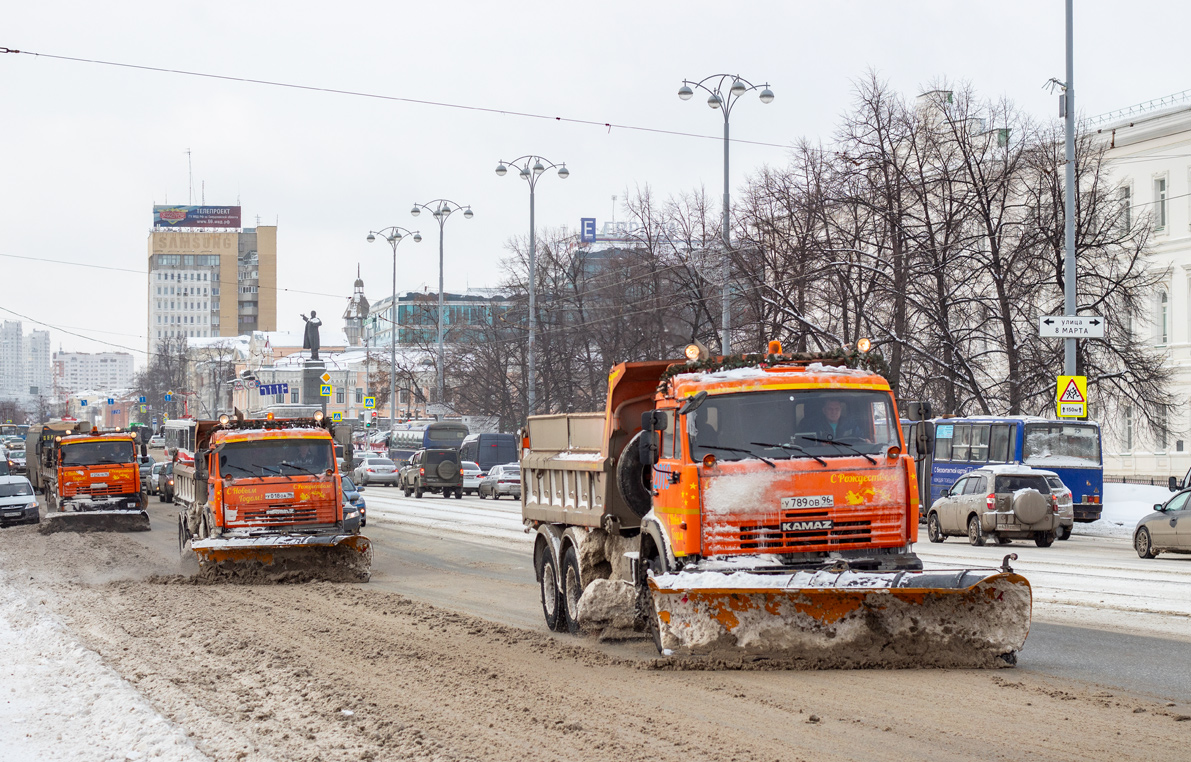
{"points": [[261, 500], [756, 507]]}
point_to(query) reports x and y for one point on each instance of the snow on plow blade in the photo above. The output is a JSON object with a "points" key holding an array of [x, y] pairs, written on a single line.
{"points": [[94, 521], [285, 558], [965, 618]]}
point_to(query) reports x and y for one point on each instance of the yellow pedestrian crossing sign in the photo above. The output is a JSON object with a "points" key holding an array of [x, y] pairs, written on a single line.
{"points": [[337, 417], [325, 390], [369, 403], [1071, 394]]}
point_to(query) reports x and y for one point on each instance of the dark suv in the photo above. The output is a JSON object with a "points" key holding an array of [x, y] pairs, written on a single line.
{"points": [[433, 471]]}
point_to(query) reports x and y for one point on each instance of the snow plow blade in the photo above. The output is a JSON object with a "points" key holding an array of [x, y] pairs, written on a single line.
{"points": [[94, 521], [285, 558], [962, 618]]}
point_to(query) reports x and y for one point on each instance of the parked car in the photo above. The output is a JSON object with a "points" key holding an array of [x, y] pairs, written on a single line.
{"points": [[18, 504], [1167, 529], [146, 467], [501, 480], [355, 515], [434, 470], [999, 503], [471, 476], [1066, 506], [375, 470], [165, 484], [157, 442], [153, 485]]}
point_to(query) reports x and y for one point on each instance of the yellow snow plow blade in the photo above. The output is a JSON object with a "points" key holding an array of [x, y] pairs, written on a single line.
{"points": [[963, 618], [94, 521], [285, 558]]}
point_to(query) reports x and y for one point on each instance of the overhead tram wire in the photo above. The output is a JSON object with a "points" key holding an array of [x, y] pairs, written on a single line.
{"points": [[395, 98]]}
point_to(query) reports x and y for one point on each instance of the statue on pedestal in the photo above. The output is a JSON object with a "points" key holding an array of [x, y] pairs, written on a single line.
{"points": [[310, 340]]}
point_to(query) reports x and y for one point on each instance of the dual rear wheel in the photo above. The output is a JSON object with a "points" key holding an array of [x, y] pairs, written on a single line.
{"points": [[561, 590]]}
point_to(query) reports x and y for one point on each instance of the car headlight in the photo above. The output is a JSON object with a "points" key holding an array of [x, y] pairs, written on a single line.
{"points": [[31, 506]]}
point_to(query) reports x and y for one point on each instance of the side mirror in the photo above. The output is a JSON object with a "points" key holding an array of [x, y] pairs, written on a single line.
{"points": [[917, 411], [1173, 483], [693, 403], [359, 489], [647, 448], [654, 420], [1159, 507]]}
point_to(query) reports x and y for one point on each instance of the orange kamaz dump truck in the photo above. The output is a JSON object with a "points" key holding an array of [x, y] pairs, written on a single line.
{"points": [[759, 506], [91, 480], [262, 499]]}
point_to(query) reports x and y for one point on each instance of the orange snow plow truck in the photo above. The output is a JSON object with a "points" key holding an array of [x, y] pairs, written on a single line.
{"points": [[761, 507], [261, 500]]}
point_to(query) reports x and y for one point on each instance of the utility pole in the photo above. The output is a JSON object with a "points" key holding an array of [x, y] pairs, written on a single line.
{"points": [[1069, 198]]}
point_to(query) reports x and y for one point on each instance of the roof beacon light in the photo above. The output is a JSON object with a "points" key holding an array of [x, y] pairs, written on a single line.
{"points": [[318, 415], [863, 345], [225, 419], [269, 417], [775, 347], [691, 352]]}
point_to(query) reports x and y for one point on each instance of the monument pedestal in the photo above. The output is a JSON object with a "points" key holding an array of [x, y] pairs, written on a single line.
{"points": [[312, 372]]}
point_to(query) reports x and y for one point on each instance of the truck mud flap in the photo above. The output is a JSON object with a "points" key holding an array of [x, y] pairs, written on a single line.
{"points": [[94, 521], [284, 558], [963, 618]]}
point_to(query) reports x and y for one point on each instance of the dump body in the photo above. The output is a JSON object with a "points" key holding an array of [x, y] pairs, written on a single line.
{"points": [[263, 494], [718, 507]]}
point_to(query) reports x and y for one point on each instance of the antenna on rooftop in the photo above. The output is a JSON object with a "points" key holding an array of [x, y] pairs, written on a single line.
{"points": [[189, 179], [614, 209]]}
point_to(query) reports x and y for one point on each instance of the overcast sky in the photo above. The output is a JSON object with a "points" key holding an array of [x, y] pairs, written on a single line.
{"points": [[86, 150]]}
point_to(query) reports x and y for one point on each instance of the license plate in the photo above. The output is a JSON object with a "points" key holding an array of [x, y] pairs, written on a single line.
{"points": [[11, 514], [808, 501], [98, 484], [811, 525], [279, 496], [101, 473]]}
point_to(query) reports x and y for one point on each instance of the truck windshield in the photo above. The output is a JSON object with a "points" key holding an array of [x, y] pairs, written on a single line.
{"points": [[793, 424], [1061, 444], [97, 453], [279, 457]]}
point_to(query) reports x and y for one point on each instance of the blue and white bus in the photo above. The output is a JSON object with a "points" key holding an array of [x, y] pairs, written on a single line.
{"points": [[959, 445]]}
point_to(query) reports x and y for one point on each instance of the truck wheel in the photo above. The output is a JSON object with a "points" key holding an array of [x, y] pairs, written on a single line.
{"points": [[572, 589], [633, 478], [551, 598], [975, 531], [934, 531]]}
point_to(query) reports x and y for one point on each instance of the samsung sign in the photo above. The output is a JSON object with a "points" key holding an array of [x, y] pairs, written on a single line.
{"points": [[196, 216]]}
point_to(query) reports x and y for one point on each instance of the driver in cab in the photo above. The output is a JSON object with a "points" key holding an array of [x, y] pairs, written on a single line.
{"points": [[831, 424]]}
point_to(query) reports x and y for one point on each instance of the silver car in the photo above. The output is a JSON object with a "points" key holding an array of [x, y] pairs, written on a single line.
{"points": [[1066, 500], [999, 503], [1167, 529], [374, 470], [501, 480], [471, 476]]}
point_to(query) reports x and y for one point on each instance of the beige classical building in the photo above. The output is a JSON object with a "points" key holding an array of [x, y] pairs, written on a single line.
{"points": [[211, 283]]}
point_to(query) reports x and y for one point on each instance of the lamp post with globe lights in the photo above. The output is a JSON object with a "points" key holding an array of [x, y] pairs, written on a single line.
{"points": [[531, 168], [724, 99], [394, 235], [441, 209]]}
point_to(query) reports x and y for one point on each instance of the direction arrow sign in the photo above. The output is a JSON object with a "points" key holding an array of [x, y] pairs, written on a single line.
{"points": [[1063, 327], [111, 401], [141, 400]]}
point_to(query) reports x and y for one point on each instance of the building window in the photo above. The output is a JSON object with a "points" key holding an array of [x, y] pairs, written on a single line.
{"points": [[293, 396], [1163, 318], [1160, 203], [339, 397], [1128, 428], [359, 396], [1125, 194]]}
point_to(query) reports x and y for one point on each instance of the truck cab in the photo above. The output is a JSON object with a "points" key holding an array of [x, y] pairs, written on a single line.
{"points": [[95, 471]]}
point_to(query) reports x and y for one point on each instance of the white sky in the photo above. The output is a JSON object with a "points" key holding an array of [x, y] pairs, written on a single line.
{"points": [[86, 150]]}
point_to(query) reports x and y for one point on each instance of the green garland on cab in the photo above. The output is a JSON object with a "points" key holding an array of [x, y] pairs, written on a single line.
{"points": [[845, 356]]}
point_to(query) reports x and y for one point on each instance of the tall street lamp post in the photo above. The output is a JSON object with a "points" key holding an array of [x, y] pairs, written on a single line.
{"points": [[724, 100], [441, 209], [394, 235], [532, 168]]}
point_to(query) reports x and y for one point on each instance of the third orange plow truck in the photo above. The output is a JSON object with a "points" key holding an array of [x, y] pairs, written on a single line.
{"points": [[753, 508]]}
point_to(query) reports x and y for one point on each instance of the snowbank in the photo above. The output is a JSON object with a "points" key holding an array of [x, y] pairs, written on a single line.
{"points": [[59, 701], [1124, 505]]}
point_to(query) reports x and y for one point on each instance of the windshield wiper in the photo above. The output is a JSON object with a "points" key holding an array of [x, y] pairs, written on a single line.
{"points": [[766, 461], [297, 467], [839, 443], [236, 466], [790, 447], [267, 469]]}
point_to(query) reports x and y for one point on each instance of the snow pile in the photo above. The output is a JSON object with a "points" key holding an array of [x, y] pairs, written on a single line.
{"points": [[583, 457], [1124, 506], [59, 701]]}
